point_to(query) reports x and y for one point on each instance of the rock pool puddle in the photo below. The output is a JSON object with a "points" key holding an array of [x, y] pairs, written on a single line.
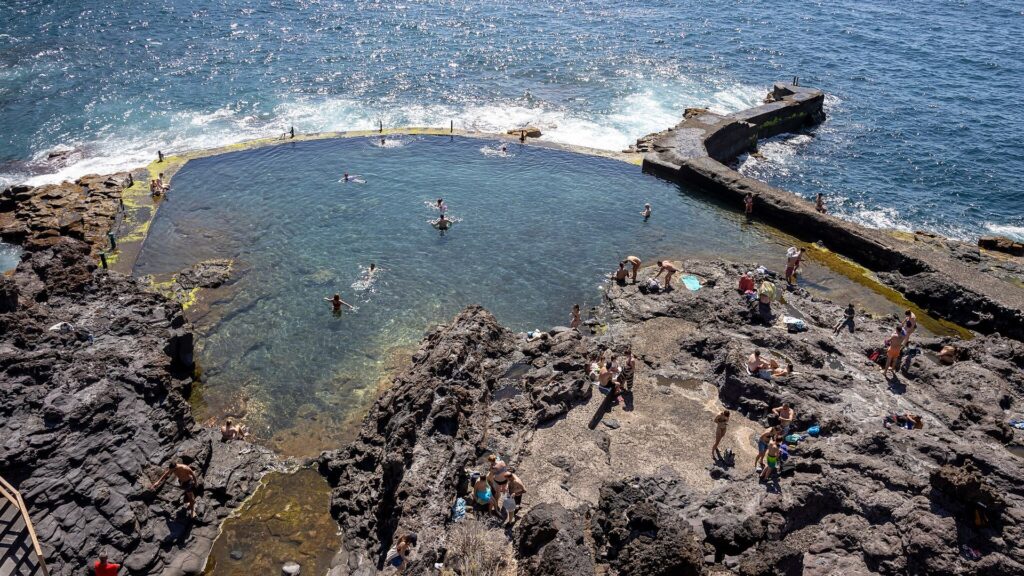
{"points": [[287, 519]]}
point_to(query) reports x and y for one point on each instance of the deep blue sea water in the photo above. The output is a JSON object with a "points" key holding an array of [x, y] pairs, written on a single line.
{"points": [[923, 128], [539, 231]]}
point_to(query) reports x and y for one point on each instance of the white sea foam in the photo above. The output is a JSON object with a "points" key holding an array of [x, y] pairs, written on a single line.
{"points": [[1008, 230]]}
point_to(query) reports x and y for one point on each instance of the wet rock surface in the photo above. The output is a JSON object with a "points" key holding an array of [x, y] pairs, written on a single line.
{"points": [[95, 373], [861, 498]]}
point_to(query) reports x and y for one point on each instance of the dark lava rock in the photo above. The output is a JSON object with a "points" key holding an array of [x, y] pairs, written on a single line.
{"points": [[550, 542], [1001, 244], [94, 407]]}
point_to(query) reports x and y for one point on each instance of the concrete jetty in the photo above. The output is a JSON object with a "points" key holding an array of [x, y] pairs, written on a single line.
{"points": [[945, 282]]}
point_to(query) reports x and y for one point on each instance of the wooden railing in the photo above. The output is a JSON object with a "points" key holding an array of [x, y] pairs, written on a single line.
{"points": [[15, 556]]}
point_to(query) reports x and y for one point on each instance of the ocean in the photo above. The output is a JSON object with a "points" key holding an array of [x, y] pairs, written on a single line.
{"points": [[922, 129]]}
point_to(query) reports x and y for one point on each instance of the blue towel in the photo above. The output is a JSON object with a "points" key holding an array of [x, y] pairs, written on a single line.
{"points": [[691, 282], [459, 510]]}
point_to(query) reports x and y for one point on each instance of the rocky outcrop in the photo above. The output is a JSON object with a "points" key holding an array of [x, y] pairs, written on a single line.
{"points": [[1001, 244], [862, 498], [38, 217], [96, 373]]}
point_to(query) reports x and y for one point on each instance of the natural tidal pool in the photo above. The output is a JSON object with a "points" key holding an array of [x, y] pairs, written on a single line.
{"points": [[536, 230]]}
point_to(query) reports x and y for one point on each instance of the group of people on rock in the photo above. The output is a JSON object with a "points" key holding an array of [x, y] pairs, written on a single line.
{"points": [[898, 340], [612, 376], [157, 186], [500, 490]]}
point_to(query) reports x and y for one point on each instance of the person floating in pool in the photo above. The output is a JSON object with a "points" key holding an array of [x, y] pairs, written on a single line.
{"points": [[647, 212], [337, 302], [352, 178], [441, 206]]}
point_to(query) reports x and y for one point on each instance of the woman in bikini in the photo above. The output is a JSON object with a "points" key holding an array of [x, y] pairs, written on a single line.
{"points": [[722, 424], [574, 321]]}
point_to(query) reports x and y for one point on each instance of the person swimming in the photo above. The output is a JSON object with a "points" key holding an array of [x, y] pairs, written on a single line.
{"points": [[441, 206], [646, 212], [346, 177], [442, 223], [337, 302]]}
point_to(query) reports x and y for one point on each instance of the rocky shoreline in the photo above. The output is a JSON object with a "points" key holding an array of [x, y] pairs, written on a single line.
{"points": [[861, 498], [96, 371]]}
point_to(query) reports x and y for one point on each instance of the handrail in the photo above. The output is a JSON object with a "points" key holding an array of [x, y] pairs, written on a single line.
{"points": [[14, 497]]}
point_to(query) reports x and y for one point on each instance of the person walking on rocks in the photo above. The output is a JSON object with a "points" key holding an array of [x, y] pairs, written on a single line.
{"points": [[400, 554], [721, 424], [188, 481], [909, 325], [575, 321], [628, 373], [748, 205], [669, 270], [772, 458], [793, 256], [786, 416], [635, 262]]}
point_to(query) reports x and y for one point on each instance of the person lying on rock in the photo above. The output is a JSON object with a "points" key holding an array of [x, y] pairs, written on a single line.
{"points": [[187, 479], [847, 321], [786, 416], [721, 425], [759, 367], [401, 553], [231, 431], [781, 371], [905, 420], [669, 270]]}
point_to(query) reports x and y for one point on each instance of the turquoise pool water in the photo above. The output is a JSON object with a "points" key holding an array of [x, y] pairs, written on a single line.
{"points": [[537, 230], [10, 255]]}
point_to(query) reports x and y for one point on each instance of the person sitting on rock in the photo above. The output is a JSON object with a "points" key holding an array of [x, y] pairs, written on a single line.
{"points": [[621, 274], [482, 494], [947, 355], [230, 431], [187, 479], [758, 367], [721, 425], [400, 554], [160, 184], [786, 416], [905, 420], [103, 568], [154, 190], [746, 283], [669, 270], [848, 318]]}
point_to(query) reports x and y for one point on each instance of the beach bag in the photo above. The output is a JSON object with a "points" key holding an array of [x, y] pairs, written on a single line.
{"points": [[814, 430], [794, 438], [794, 325]]}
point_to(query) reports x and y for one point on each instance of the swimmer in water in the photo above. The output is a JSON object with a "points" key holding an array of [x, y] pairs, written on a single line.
{"points": [[371, 270], [504, 148], [441, 206], [337, 302], [647, 211], [442, 223], [345, 178]]}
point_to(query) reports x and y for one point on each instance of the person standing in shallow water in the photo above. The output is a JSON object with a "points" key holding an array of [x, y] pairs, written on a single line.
{"points": [[337, 302], [646, 212]]}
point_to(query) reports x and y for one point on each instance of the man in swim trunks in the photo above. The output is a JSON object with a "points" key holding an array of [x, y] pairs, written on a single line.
{"points": [[187, 479], [621, 274], [442, 223], [337, 302], [909, 325], [721, 424], [635, 262], [893, 349], [513, 497], [768, 435], [646, 212], [772, 458], [786, 416], [669, 270]]}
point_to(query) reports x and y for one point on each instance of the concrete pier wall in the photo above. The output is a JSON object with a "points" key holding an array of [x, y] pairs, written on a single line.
{"points": [[697, 152]]}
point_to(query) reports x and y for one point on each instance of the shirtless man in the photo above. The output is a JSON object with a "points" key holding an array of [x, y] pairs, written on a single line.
{"points": [[786, 416], [772, 457], [669, 270], [892, 353], [758, 367], [636, 266], [337, 302], [722, 423], [442, 223], [646, 212], [230, 431], [621, 274], [574, 320], [767, 436], [160, 184], [186, 479], [909, 325]]}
